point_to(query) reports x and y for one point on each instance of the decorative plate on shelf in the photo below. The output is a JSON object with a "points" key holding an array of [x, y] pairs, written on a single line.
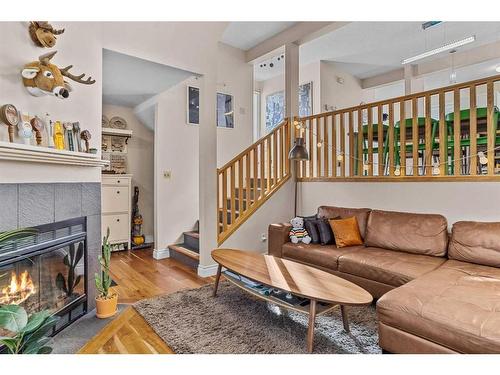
{"points": [[105, 122], [117, 123]]}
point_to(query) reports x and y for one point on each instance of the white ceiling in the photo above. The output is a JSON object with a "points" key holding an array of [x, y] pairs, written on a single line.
{"points": [[365, 49], [129, 81], [246, 35]]}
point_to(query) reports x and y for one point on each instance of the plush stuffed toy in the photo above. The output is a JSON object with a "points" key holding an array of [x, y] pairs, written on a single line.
{"points": [[298, 232]]}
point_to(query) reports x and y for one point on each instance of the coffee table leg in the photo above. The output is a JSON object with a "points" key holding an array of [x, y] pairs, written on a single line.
{"points": [[345, 319], [217, 278], [310, 330]]}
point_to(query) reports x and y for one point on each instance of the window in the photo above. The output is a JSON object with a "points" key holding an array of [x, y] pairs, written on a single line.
{"points": [[193, 105]]}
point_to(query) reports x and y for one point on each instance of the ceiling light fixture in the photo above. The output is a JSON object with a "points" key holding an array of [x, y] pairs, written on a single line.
{"points": [[443, 48], [497, 69]]}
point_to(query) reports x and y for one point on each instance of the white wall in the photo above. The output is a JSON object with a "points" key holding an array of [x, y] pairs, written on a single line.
{"points": [[335, 94], [235, 77], [176, 150], [455, 200], [140, 158]]}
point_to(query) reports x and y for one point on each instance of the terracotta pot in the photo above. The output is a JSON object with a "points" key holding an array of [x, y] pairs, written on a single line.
{"points": [[106, 308]]}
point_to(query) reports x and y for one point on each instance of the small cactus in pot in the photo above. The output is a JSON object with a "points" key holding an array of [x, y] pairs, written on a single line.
{"points": [[106, 300]]}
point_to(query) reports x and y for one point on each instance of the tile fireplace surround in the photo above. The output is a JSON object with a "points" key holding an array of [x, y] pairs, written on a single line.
{"points": [[26, 205]]}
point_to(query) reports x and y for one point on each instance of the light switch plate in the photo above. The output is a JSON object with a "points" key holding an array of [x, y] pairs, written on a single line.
{"points": [[167, 174]]}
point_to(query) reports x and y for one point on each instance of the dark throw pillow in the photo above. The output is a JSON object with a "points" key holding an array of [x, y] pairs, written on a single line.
{"points": [[312, 230], [325, 232]]}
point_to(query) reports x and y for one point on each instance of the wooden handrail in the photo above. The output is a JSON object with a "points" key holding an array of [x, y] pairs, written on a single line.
{"points": [[251, 178], [407, 136]]}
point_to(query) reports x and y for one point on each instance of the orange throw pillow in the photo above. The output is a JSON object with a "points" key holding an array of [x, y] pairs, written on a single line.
{"points": [[346, 232]]}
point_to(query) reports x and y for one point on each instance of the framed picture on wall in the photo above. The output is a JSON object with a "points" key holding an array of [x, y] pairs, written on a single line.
{"points": [[193, 105], [275, 105], [225, 111]]}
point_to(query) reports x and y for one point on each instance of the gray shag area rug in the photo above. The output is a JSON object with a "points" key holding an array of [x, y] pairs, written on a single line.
{"points": [[192, 321]]}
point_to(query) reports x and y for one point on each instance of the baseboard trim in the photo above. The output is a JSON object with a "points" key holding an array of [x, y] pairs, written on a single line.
{"points": [[207, 271], [161, 253]]}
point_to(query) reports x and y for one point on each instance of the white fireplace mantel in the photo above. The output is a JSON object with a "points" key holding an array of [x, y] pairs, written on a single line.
{"points": [[36, 154]]}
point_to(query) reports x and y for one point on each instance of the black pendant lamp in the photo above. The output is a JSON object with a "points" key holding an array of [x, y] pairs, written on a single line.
{"points": [[298, 151]]}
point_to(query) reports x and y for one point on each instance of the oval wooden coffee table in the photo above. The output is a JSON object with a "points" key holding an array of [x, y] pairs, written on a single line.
{"points": [[292, 277]]}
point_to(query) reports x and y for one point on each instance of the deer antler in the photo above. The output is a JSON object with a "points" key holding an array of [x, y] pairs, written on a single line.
{"points": [[65, 72], [44, 59]]}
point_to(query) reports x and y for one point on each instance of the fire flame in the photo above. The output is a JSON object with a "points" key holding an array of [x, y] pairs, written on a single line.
{"points": [[19, 289]]}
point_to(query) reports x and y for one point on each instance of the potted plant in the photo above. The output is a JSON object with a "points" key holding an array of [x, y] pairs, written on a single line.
{"points": [[106, 300], [29, 334]]}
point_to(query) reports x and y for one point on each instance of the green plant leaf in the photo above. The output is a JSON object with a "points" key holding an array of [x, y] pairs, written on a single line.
{"points": [[35, 321], [40, 331], [45, 350], [35, 346], [10, 343], [13, 318]]}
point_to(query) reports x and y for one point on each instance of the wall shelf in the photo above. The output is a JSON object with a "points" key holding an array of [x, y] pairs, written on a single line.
{"points": [[117, 132], [37, 154]]}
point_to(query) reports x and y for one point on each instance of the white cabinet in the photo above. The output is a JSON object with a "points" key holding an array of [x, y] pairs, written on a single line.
{"points": [[116, 202]]}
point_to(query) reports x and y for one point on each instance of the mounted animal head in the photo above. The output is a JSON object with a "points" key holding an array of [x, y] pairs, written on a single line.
{"points": [[43, 34], [44, 78]]}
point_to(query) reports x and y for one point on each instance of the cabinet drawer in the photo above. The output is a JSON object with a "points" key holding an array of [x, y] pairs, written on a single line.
{"points": [[118, 226], [115, 199], [116, 181]]}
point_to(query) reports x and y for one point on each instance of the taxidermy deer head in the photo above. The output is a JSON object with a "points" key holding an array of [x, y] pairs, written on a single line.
{"points": [[43, 78], [43, 34]]}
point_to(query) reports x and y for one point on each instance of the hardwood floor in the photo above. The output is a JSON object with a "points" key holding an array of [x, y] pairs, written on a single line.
{"points": [[140, 276]]}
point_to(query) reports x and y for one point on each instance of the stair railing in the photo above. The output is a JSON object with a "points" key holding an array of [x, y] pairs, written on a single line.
{"points": [[445, 134], [251, 178]]}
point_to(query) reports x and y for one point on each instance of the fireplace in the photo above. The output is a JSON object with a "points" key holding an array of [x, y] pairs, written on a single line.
{"points": [[48, 271]]}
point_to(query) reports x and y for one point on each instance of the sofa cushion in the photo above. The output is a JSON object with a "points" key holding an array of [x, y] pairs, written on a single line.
{"points": [[412, 233], [361, 214], [456, 306], [316, 255], [346, 232], [325, 232], [312, 229], [386, 266], [475, 242]]}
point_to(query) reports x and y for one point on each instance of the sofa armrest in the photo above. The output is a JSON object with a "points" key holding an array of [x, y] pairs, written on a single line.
{"points": [[277, 237]]}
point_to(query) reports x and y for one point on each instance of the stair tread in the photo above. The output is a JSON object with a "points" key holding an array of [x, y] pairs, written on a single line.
{"points": [[192, 233], [186, 250]]}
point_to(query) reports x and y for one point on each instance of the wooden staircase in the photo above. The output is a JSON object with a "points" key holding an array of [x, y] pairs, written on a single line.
{"points": [[187, 252], [251, 178]]}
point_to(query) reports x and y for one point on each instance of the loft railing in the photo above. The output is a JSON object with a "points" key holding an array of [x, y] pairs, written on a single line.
{"points": [[251, 178], [449, 133]]}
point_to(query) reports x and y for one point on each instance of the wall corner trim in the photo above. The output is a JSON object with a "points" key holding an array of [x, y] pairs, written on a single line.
{"points": [[161, 254], [207, 271]]}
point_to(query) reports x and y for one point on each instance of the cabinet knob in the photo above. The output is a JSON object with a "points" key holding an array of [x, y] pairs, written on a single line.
{"points": [[117, 219], [118, 181], [118, 192]]}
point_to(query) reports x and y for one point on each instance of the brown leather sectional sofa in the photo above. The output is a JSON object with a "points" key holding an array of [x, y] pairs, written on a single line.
{"points": [[437, 293]]}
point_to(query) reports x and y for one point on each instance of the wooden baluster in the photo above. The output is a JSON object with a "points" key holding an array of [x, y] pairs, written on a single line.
{"points": [[391, 139], [370, 142], [224, 200], [414, 135], [428, 135], [334, 146], [456, 133], [280, 152], [360, 142], [326, 147], [443, 136], [473, 130], [262, 170], [288, 141], [219, 201], [233, 193], [311, 149], [248, 200], [351, 145], [342, 143], [268, 164], [402, 138], [240, 186], [275, 158], [491, 128], [255, 165], [319, 139], [380, 141]]}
